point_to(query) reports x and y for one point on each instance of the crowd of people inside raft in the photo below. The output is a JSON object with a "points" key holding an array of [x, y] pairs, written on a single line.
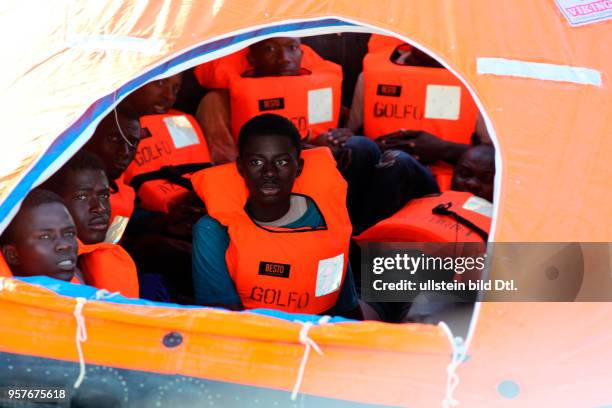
{"points": [[246, 208]]}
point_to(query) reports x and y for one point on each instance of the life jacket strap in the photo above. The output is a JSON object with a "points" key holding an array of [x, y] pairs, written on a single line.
{"points": [[443, 209], [173, 174]]}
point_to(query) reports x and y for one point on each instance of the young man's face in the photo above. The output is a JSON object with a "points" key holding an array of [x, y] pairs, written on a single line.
{"points": [[278, 56], [45, 243], [156, 97], [87, 196], [475, 172], [110, 146], [269, 166]]}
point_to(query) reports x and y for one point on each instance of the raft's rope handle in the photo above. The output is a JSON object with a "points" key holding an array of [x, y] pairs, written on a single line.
{"points": [[81, 336], [308, 343], [458, 357]]}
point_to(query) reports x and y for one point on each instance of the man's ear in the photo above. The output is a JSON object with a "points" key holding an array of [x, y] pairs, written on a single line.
{"points": [[10, 255], [300, 167]]}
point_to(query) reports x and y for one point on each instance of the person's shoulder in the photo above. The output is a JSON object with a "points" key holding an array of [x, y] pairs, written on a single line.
{"points": [[208, 224]]}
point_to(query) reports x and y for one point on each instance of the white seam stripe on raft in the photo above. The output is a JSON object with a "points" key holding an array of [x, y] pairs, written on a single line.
{"points": [[538, 70]]}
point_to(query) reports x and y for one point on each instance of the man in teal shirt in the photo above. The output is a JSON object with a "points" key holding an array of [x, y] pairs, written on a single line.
{"points": [[269, 161]]}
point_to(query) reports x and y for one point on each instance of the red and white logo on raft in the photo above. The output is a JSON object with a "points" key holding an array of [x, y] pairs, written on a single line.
{"points": [[585, 11]]}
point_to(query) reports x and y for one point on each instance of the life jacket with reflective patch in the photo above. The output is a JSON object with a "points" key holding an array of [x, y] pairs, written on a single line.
{"points": [[108, 266], [5, 271], [311, 100], [434, 219], [415, 98], [175, 149], [295, 270], [122, 207]]}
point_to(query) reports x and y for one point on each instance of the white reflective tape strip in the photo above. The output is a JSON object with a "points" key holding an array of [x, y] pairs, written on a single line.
{"points": [[117, 42], [537, 70]]}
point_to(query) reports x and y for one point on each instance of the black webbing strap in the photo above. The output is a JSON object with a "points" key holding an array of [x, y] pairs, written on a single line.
{"points": [[173, 174], [443, 209]]}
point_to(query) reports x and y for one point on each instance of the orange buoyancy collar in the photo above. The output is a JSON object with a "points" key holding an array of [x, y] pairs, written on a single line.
{"points": [[295, 270]]}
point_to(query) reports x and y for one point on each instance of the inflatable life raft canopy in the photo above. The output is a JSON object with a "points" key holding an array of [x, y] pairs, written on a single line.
{"points": [[538, 71]]}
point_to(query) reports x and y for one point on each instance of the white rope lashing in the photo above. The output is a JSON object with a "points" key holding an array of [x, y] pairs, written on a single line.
{"points": [[458, 356], [308, 344], [81, 337], [6, 283]]}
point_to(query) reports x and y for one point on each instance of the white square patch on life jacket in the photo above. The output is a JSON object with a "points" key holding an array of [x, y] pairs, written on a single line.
{"points": [[479, 205], [181, 131], [443, 102], [329, 275], [320, 106]]}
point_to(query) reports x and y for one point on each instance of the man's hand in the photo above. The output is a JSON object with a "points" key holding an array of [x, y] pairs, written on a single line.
{"points": [[335, 139], [423, 146]]}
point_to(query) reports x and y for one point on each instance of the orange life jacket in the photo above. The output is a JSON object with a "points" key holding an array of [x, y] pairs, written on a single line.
{"points": [[294, 270], [108, 266], [378, 41], [5, 271], [443, 173], [311, 101], [415, 98], [122, 207], [418, 222], [176, 141]]}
